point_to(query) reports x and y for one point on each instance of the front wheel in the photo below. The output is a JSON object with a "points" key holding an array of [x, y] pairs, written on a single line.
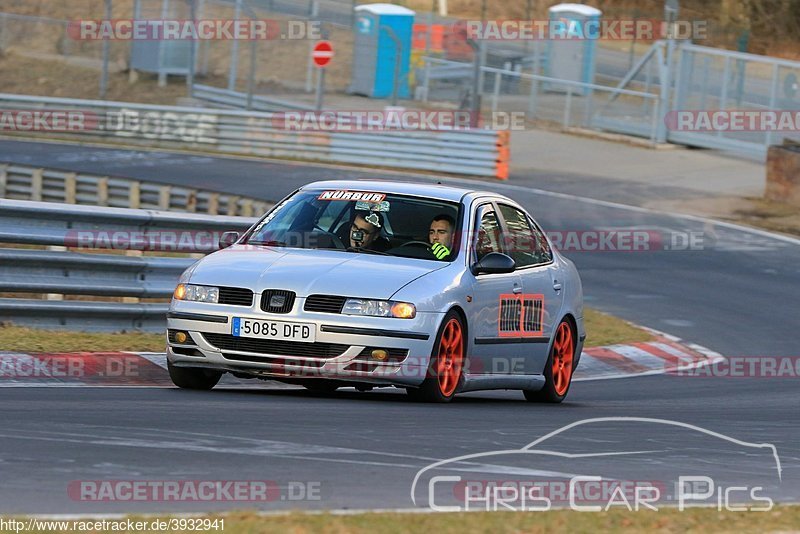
{"points": [[446, 364], [193, 378], [559, 367]]}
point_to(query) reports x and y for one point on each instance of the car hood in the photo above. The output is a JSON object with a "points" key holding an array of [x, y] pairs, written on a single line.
{"points": [[309, 272]]}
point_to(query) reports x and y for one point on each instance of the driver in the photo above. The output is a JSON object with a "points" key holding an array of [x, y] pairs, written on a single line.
{"points": [[365, 230], [440, 235]]}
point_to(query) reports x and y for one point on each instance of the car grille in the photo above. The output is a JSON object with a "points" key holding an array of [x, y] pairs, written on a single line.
{"points": [[235, 296], [275, 347], [325, 303], [286, 299]]}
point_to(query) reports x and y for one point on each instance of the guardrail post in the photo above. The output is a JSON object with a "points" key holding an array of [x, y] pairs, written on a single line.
{"points": [[233, 204], [247, 208], [191, 201], [164, 193], [773, 95], [532, 98], [36, 184], [56, 296], [71, 188], [654, 121], [587, 109], [132, 300], [213, 203], [102, 191], [426, 85], [135, 195], [568, 107], [3, 180], [496, 93]]}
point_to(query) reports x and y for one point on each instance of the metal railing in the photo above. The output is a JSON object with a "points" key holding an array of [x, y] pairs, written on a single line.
{"points": [[585, 105], [570, 103], [71, 281], [468, 152], [23, 182]]}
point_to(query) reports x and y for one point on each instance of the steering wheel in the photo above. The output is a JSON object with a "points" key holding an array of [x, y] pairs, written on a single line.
{"points": [[337, 241], [415, 243]]}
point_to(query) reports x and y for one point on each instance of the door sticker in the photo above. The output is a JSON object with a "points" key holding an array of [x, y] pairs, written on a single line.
{"points": [[521, 315]]}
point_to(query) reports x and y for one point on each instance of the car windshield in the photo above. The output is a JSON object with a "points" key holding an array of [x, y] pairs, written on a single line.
{"points": [[362, 222]]}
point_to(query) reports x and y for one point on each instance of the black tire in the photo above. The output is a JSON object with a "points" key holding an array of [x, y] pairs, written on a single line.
{"points": [[193, 378], [551, 393], [431, 389]]}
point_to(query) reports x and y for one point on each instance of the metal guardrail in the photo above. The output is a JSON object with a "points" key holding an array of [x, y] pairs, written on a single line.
{"points": [[468, 152], [23, 182], [239, 100], [60, 272]]}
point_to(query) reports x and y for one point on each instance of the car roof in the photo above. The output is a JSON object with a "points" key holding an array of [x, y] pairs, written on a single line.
{"points": [[436, 191]]}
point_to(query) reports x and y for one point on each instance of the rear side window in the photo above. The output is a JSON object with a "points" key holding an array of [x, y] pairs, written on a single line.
{"points": [[523, 242], [542, 246]]}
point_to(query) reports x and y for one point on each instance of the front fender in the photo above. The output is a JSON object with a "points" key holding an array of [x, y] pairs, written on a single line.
{"points": [[438, 291]]}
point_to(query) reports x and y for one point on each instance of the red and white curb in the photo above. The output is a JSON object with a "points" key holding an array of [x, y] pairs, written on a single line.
{"points": [[665, 354]]}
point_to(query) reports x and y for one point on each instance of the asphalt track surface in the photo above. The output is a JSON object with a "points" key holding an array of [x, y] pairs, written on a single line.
{"points": [[737, 296]]}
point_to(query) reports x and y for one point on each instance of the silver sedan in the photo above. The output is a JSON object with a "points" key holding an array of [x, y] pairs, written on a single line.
{"points": [[366, 284]]}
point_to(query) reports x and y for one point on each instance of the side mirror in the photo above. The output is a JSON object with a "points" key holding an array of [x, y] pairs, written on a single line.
{"points": [[494, 263], [227, 239]]}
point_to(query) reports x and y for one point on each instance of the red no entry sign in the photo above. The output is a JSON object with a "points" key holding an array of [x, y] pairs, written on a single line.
{"points": [[322, 54]]}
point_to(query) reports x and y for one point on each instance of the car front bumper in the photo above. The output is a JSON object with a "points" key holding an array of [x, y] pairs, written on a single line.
{"points": [[342, 346]]}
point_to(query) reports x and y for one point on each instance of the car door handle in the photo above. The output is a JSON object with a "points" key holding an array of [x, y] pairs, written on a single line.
{"points": [[517, 290], [556, 285]]}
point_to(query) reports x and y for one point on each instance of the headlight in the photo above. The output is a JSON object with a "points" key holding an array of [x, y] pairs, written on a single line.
{"points": [[196, 293], [379, 308]]}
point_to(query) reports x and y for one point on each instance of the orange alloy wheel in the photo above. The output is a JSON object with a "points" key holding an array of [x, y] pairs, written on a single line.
{"points": [[563, 350], [451, 358]]}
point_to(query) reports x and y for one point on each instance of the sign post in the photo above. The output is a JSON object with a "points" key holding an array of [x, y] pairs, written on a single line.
{"points": [[322, 55]]}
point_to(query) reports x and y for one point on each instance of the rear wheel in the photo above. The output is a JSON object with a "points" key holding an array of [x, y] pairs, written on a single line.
{"points": [[446, 364], [193, 378], [559, 367]]}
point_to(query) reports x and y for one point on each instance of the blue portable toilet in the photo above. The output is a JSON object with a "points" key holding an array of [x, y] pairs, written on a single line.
{"points": [[374, 49], [572, 58]]}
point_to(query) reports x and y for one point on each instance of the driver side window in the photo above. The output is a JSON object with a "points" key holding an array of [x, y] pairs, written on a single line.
{"points": [[488, 235]]}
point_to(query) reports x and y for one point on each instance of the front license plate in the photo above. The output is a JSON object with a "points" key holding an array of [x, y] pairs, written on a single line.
{"points": [[302, 332]]}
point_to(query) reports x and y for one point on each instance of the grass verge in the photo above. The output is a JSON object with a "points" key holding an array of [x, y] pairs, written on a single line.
{"points": [[603, 329], [21, 339], [779, 519]]}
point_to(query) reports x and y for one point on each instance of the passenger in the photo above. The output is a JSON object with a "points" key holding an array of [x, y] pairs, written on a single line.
{"points": [[365, 232]]}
